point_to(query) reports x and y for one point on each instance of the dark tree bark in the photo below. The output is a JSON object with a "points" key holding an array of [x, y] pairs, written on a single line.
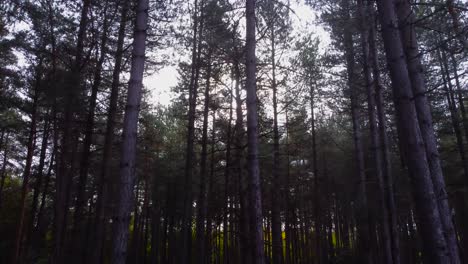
{"points": [[186, 231], [449, 94], [227, 233], [374, 136], [202, 201], [4, 166], [412, 142], [252, 136], [78, 225], [409, 45], [69, 139], [31, 146], [364, 242], [34, 221], [317, 205], [210, 193], [129, 136], [104, 176], [459, 94], [277, 243], [244, 228], [383, 145]]}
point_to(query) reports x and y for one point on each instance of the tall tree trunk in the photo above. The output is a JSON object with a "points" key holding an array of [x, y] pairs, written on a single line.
{"points": [[31, 145], [209, 214], [202, 202], [461, 210], [244, 228], [4, 166], [277, 245], [104, 176], [252, 136], [448, 88], [129, 136], [288, 204], [190, 154], [409, 45], [78, 225], [227, 213], [459, 94], [383, 146], [69, 137], [374, 136], [362, 210], [412, 142], [317, 220], [30, 240], [155, 253], [79, 252]]}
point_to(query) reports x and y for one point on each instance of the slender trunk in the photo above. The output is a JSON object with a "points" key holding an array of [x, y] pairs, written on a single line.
{"points": [[64, 173], [227, 244], [1, 138], [374, 136], [459, 94], [33, 223], [287, 196], [277, 247], [77, 243], [40, 172], [186, 232], [383, 138], [104, 176], [129, 136], [31, 145], [463, 224], [362, 210], [202, 201], [314, 164], [156, 235], [409, 47], [209, 220], [4, 166], [412, 142], [244, 228], [42, 224], [448, 88], [252, 136]]}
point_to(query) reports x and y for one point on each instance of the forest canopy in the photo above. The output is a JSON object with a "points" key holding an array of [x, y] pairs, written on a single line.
{"points": [[227, 131]]}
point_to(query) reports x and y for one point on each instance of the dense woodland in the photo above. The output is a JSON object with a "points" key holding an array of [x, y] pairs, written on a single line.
{"points": [[343, 142]]}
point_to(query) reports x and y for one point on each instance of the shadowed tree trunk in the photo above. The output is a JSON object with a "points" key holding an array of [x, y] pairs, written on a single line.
{"points": [[412, 142], [449, 94], [129, 136], [31, 145], [202, 201], [69, 141], [227, 234], [78, 225], [4, 166], [374, 136], [383, 145], [104, 176], [409, 44], [363, 225], [277, 247], [186, 232], [252, 137]]}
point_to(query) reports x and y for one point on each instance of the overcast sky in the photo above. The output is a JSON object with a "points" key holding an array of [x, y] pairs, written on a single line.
{"points": [[161, 82]]}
